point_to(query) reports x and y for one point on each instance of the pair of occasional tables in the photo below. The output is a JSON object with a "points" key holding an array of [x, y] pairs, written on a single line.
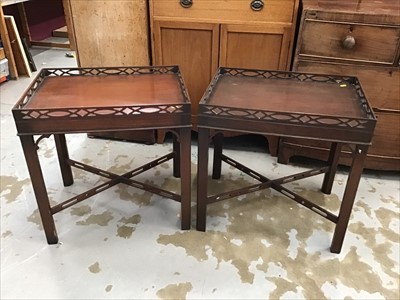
{"points": [[309, 106]]}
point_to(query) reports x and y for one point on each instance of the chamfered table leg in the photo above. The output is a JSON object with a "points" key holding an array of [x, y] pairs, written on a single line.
{"points": [[217, 161], [63, 156], [333, 162], [202, 174], [186, 182], [348, 197], [39, 187], [176, 146]]}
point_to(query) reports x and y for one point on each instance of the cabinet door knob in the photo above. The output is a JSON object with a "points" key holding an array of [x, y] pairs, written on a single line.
{"points": [[257, 5], [186, 3], [349, 42]]}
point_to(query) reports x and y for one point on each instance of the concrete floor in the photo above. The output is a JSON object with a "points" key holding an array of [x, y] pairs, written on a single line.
{"points": [[126, 244]]}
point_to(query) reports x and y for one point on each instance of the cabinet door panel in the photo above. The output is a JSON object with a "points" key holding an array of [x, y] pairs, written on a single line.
{"points": [[191, 46], [254, 46], [117, 35]]}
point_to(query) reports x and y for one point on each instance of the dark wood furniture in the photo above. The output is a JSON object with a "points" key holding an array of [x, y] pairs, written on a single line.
{"points": [[355, 38], [306, 106], [62, 101]]}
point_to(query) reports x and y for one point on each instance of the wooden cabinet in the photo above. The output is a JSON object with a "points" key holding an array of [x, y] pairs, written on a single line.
{"points": [[254, 46], [194, 47], [200, 36], [358, 38], [108, 34]]}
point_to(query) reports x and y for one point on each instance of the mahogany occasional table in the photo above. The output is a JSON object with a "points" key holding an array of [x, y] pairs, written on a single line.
{"points": [[309, 106], [81, 100]]}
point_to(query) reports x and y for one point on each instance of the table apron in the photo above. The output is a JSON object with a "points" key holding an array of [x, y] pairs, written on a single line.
{"points": [[344, 135], [78, 125]]}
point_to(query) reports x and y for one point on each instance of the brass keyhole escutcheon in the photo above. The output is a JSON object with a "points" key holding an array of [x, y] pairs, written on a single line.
{"points": [[186, 3], [257, 5]]}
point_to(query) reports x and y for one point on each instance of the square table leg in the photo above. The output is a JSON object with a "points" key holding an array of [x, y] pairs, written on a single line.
{"points": [[217, 161], [202, 177], [333, 162], [176, 147], [349, 197], [185, 174], [63, 157], [39, 187]]}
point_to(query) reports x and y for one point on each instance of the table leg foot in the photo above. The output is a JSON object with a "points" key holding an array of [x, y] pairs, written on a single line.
{"points": [[52, 240], [39, 188], [348, 198], [284, 152]]}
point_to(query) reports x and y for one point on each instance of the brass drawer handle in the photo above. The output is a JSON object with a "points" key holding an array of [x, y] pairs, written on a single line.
{"points": [[186, 3], [257, 5], [349, 42]]}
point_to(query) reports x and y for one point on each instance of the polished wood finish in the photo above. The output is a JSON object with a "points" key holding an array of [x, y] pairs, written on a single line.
{"points": [[250, 93], [96, 91], [306, 106], [374, 59], [228, 33], [63, 101]]}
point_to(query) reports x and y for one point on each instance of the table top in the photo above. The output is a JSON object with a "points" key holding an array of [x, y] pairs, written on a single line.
{"points": [[290, 96], [106, 91], [79, 99], [278, 102]]}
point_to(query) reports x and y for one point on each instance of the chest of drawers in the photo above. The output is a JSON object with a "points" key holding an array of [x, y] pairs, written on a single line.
{"points": [[358, 38]]}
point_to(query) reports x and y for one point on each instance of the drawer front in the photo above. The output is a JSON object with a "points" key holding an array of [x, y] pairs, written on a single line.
{"points": [[347, 41], [386, 139], [228, 10], [380, 84], [384, 153]]}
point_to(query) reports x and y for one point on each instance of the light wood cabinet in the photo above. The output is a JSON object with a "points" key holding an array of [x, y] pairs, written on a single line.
{"points": [[109, 34], [191, 45], [254, 46], [207, 34], [359, 39]]}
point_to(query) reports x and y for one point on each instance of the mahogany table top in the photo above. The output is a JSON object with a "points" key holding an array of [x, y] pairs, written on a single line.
{"points": [[315, 106], [106, 91], [103, 99], [335, 99]]}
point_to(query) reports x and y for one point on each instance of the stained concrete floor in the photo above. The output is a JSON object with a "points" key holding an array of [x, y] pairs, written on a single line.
{"points": [[126, 244]]}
